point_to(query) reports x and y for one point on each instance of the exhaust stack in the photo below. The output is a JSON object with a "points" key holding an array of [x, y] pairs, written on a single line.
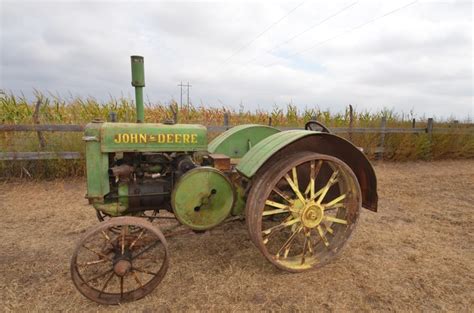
{"points": [[138, 81]]}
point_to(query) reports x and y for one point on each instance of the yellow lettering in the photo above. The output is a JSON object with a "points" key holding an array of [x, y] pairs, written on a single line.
{"points": [[169, 138], [133, 138], [194, 138], [186, 138], [142, 138], [177, 138], [118, 138], [125, 138], [161, 138]]}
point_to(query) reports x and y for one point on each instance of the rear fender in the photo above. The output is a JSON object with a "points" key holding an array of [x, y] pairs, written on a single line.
{"points": [[261, 157], [238, 140]]}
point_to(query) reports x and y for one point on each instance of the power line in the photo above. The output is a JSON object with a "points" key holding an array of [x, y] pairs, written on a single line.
{"points": [[305, 31], [262, 33], [347, 31]]}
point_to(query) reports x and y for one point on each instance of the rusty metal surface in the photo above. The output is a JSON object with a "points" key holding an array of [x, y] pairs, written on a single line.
{"points": [[120, 260], [220, 161], [302, 212]]}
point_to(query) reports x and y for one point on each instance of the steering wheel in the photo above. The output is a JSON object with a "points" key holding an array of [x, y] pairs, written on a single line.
{"points": [[316, 126]]}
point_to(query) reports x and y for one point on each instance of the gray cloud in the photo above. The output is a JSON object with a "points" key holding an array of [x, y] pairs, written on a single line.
{"points": [[418, 58]]}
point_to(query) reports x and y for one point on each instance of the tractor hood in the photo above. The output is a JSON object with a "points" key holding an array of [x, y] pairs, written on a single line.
{"points": [[147, 137]]}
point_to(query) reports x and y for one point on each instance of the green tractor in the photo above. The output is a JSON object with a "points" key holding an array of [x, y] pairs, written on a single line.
{"points": [[299, 191]]}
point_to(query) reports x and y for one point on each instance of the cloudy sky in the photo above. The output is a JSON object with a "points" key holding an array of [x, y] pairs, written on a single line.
{"points": [[404, 54]]}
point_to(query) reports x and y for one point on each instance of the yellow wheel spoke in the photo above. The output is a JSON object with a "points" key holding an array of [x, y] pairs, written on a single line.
{"points": [[335, 201], [282, 225], [295, 188], [277, 211], [329, 229], [321, 234], [310, 242], [281, 194], [305, 247], [310, 189], [287, 244], [334, 206], [325, 189], [335, 219], [295, 177], [276, 204]]}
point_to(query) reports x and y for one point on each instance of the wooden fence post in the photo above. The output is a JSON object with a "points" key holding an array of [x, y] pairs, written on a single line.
{"points": [[351, 121], [42, 141], [226, 120], [429, 129], [383, 125], [174, 111]]}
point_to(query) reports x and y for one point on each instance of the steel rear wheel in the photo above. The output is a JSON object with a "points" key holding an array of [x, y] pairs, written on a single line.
{"points": [[113, 264], [302, 210]]}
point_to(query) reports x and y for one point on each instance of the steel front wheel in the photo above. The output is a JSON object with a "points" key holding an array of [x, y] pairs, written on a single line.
{"points": [[302, 210], [120, 260]]}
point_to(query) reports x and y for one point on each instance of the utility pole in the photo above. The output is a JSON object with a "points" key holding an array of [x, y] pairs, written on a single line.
{"points": [[187, 93], [181, 94]]}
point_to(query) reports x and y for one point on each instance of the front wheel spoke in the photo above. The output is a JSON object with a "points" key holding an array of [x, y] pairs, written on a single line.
{"points": [[335, 201], [144, 271], [154, 244], [137, 279], [136, 239], [325, 189], [124, 227], [106, 283], [97, 253], [295, 188], [321, 234], [92, 262], [276, 204], [97, 276], [107, 238], [335, 219], [121, 287]]}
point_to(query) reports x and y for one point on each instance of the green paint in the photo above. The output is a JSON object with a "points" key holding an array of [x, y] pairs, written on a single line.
{"points": [[202, 198], [123, 194], [111, 208], [262, 151], [238, 140], [138, 81], [97, 163], [147, 137], [239, 205]]}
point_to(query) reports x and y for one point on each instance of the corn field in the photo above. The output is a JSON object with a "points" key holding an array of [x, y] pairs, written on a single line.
{"points": [[53, 109]]}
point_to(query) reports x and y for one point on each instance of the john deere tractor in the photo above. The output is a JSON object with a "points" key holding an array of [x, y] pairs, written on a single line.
{"points": [[299, 191]]}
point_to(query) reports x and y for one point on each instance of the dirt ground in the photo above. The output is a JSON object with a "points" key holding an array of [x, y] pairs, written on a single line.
{"points": [[415, 254]]}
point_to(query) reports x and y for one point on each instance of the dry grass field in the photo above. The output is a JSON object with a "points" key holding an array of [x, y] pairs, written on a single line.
{"points": [[415, 254]]}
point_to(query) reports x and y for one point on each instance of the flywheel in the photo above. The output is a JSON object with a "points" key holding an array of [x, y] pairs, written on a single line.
{"points": [[202, 198]]}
